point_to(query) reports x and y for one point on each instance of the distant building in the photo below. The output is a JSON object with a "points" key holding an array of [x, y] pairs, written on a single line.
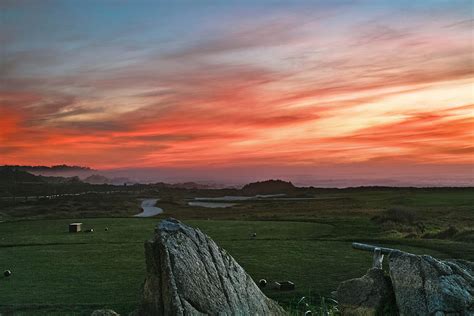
{"points": [[75, 227]]}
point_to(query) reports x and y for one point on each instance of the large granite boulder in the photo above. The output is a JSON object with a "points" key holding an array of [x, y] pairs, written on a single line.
{"points": [[188, 274], [369, 295], [424, 285]]}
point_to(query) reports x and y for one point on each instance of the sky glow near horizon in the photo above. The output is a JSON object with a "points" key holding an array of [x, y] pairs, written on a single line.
{"points": [[290, 84]]}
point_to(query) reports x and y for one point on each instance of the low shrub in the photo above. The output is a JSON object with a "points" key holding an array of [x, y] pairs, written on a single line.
{"points": [[451, 233], [466, 235], [400, 221], [399, 214], [396, 215], [447, 233]]}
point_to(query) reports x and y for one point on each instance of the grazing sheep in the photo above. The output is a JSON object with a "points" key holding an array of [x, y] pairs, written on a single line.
{"points": [[91, 230], [7, 273], [262, 283]]}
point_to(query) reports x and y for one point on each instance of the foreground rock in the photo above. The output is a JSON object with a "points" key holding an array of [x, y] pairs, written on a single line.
{"points": [[426, 286], [369, 295], [188, 274]]}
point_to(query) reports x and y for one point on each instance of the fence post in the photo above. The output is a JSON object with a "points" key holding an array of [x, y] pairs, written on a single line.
{"points": [[377, 259]]}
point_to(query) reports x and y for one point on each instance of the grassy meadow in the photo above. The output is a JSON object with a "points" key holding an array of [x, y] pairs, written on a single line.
{"points": [[306, 241]]}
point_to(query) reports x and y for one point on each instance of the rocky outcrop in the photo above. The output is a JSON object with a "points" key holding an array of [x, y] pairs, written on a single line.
{"points": [[188, 274], [369, 295], [426, 286]]}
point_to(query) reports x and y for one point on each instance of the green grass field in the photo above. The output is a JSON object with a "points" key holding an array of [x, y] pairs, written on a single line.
{"points": [[307, 242]]}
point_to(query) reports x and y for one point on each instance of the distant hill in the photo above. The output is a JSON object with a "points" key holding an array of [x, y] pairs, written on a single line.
{"points": [[97, 179], [190, 185], [100, 179], [268, 187], [183, 185], [121, 181], [11, 175], [56, 168]]}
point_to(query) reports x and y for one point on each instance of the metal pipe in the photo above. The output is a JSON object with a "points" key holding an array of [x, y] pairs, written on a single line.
{"points": [[366, 247]]}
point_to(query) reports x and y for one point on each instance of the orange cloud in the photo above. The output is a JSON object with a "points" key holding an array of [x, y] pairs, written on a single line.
{"points": [[278, 94]]}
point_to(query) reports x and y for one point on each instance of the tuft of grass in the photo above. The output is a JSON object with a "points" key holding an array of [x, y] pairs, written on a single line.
{"points": [[314, 305]]}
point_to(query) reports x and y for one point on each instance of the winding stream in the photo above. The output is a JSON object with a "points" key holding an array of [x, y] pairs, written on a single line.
{"points": [[149, 208]]}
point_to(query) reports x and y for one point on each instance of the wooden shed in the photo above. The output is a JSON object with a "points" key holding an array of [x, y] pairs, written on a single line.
{"points": [[75, 227]]}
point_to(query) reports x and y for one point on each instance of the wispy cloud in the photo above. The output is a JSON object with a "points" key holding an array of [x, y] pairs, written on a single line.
{"points": [[324, 87]]}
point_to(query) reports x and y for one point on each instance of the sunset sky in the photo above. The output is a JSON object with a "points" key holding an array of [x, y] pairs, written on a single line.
{"points": [[293, 85]]}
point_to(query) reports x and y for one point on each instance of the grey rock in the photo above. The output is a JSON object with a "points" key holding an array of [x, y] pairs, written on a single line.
{"points": [[370, 295], [104, 312], [188, 274], [424, 285]]}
